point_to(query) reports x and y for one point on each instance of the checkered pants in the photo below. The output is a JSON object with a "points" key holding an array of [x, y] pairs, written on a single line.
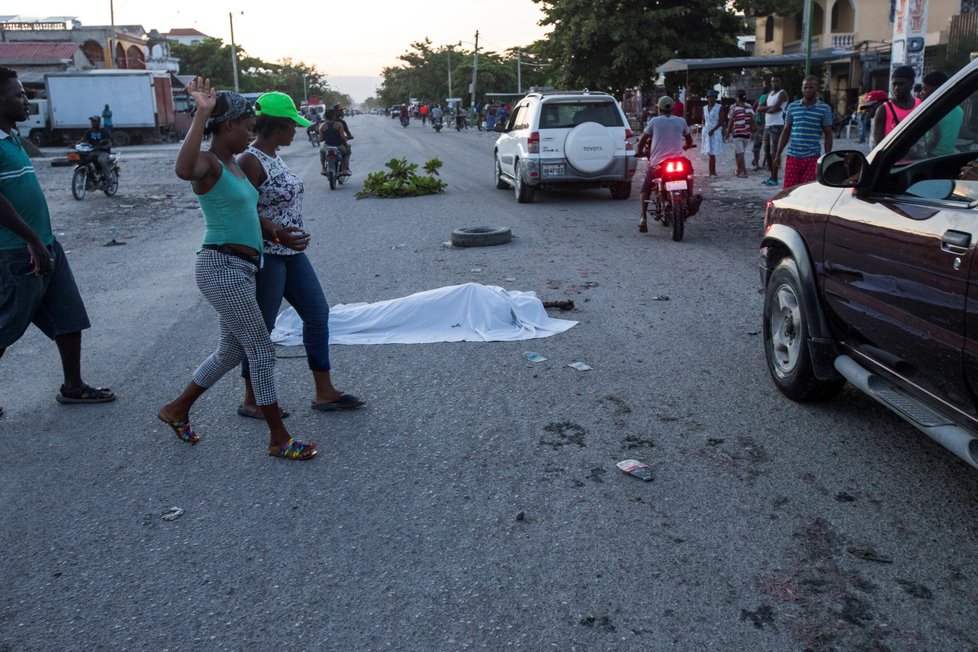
{"points": [[229, 284]]}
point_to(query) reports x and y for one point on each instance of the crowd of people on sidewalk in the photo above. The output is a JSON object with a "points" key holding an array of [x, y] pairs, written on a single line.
{"points": [[774, 128], [251, 258]]}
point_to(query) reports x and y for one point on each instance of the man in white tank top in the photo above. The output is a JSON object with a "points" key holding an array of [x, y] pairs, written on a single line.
{"points": [[773, 125]]}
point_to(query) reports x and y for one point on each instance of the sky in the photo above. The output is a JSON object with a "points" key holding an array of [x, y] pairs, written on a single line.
{"points": [[369, 36]]}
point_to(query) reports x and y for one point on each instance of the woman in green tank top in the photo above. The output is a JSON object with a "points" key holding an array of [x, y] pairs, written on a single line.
{"points": [[227, 264]]}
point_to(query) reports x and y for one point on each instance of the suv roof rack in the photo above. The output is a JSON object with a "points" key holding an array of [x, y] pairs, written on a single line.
{"points": [[553, 91]]}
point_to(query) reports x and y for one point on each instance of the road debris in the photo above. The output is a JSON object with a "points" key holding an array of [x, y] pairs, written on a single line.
{"points": [[533, 356], [580, 366], [870, 555], [172, 514], [659, 297], [640, 470]]}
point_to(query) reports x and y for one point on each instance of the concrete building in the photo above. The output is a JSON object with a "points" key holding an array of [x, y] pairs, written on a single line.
{"points": [[864, 26]]}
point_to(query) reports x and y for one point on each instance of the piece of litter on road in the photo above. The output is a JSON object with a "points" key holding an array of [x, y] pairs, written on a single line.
{"points": [[476, 270], [510, 279], [580, 366], [870, 555], [640, 470], [447, 243], [127, 206], [172, 514], [521, 516], [114, 243], [533, 356], [660, 297], [753, 332]]}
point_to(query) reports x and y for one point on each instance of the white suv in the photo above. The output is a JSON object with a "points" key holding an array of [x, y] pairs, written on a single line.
{"points": [[565, 138]]}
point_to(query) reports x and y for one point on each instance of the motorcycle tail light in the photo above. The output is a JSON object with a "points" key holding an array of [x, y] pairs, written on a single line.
{"points": [[533, 143], [675, 167], [330, 154], [74, 156]]}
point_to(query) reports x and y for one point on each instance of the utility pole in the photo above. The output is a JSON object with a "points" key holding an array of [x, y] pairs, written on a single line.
{"points": [[234, 53], [519, 71], [475, 65], [450, 71], [108, 59], [807, 29]]}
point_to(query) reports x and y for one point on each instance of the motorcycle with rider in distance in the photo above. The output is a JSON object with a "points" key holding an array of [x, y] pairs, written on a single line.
{"points": [[87, 175], [333, 156], [671, 201]]}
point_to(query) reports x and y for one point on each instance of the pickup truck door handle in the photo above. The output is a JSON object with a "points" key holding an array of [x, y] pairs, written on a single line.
{"points": [[956, 242]]}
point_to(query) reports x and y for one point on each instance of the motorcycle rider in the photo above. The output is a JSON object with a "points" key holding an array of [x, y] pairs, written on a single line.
{"points": [[331, 134], [405, 116], [317, 121], [347, 148], [663, 136], [437, 114], [101, 141]]}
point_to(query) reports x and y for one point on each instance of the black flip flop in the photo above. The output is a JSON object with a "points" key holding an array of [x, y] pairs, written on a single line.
{"points": [[344, 402]]}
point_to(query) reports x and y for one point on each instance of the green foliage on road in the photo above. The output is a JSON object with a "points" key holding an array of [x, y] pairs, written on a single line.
{"points": [[403, 180]]}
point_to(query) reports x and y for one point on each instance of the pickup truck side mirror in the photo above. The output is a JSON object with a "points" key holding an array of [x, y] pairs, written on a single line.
{"points": [[501, 127], [841, 169]]}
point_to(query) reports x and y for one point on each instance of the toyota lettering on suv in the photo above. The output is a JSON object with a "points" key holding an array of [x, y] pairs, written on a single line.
{"points": [[871, 276], [565, 138]]}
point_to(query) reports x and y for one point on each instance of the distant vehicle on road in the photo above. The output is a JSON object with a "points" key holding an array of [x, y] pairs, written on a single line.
{"points": [[565, 138]]}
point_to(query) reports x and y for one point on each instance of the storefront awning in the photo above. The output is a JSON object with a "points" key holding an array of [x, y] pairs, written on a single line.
{"points": [[766, 61]]}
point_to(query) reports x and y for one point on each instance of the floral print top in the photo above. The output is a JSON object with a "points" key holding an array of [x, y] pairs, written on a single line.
{"points": [[279, 198]]}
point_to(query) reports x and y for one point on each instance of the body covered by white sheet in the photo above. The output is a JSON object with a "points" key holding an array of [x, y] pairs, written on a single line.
{"points": [[458, 313]]}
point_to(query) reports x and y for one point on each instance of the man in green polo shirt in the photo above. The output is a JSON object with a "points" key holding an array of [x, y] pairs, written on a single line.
{"points": [[36, 283]]}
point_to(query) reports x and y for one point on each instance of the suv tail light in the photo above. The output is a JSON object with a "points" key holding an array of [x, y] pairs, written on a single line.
{"points": [[629, 145], [533, 142]]}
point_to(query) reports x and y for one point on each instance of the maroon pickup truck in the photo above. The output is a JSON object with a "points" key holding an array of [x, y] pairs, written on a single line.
{"points": [[871, 275]]}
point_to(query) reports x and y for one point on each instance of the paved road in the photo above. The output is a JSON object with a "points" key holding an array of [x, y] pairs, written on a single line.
{"points": [[769, 525]]}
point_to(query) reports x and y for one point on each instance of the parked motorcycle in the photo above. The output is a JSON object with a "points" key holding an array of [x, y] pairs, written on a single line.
{"points": [[87, 176], [334, 166], [437, 124], [671, 202]]}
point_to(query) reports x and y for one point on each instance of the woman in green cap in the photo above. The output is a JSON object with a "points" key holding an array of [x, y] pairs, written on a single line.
{"points": [[287, 272]]}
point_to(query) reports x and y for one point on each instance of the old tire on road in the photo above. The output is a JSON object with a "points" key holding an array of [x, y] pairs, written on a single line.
{"points": [[481, 236]]}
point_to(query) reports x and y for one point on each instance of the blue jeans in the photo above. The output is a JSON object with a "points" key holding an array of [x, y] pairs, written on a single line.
{"points": [[293, 278]]}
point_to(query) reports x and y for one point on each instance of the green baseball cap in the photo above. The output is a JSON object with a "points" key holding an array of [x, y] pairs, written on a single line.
{"points": [[279, 105]]}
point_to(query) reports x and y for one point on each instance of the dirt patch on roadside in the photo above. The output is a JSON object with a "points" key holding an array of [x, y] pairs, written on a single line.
{"points": [[149, 194]]}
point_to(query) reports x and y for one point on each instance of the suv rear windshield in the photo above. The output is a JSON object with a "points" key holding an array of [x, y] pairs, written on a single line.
{"points": [[566, 115]]}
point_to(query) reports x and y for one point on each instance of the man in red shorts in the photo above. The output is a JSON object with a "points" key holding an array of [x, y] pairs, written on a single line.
{"points": [[806, 122]]}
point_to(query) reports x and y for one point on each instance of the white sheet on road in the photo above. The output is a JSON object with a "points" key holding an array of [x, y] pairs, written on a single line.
{"points": [[458, 313]]}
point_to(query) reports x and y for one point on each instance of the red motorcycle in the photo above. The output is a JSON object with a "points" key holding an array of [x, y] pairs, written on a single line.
{"points": [[672, 201]]}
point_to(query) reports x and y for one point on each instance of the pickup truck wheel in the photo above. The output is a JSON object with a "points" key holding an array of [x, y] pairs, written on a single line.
{"points": [[500, 182], [786, 338], [37, 137], [120, 138]]}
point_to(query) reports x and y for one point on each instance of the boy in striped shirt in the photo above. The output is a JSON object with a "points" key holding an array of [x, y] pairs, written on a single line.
{"points": [[806, 122]]}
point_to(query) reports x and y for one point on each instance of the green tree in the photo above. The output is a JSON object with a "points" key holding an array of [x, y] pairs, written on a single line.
{"points": [[423, 73], [212, 59], [616, 45]]}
